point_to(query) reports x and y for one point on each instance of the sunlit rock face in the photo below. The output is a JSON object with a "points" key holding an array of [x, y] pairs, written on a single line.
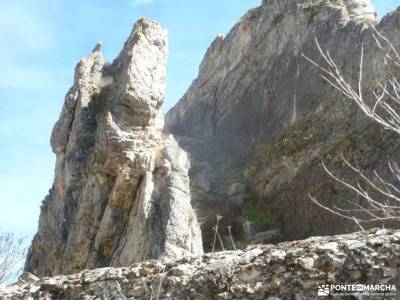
{"points": [[253, 90], [121, 188]]}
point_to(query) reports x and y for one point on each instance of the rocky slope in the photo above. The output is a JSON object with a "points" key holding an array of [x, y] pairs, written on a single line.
{"points": [[286, 271], [121, 187], [253, 89]]}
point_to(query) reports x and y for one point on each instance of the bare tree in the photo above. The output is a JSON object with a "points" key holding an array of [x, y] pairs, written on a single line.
{"points": [[381, 195], [12, 255]]}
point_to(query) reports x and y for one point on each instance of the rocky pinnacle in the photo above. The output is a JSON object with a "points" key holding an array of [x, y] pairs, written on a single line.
{"points": [[121, 188]]}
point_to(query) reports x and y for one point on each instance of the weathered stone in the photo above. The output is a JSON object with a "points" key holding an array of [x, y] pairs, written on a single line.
{"points": [[267, 237], [378, 241], [306, 263], [330, 247], [121, 188], [258, 107], [278, 255], [236, 188], [329, 261], [351, 244], [229, 274], [295, 252], [27, 277], [355, 274]]}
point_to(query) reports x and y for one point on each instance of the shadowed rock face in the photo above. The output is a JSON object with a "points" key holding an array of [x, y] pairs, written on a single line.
{"points": [[289, 170], [253, 86], [121, 188]]}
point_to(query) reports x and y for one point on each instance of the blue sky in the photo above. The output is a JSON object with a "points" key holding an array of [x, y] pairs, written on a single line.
{"points": [[42, 40]]}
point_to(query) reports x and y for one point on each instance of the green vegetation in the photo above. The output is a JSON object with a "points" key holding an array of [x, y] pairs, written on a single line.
{"points": [[310, 5], [264, 220], [106, 250]]}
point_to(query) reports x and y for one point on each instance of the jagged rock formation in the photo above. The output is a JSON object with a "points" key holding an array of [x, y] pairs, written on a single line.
{"points": [[286, 271], [253, 85], [121, 188]]}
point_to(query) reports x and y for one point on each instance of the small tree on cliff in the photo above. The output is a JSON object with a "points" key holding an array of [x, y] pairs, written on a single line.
{"points": [[12, 255], [381, 195]]}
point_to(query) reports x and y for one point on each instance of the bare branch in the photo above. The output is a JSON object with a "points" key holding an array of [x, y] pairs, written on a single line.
{"points": [[12, 255], [380, 197]]}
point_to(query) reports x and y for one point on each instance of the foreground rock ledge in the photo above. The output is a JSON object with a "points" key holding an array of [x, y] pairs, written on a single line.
{"points": [[291, 270]]}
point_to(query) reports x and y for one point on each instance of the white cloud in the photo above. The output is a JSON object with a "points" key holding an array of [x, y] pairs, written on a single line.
{"points": [[143, 2]]}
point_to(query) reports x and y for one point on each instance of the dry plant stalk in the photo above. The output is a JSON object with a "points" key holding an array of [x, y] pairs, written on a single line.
{"points": [[230, 234], [216, 233], [161, 279], [384, 108], [12, 255]]}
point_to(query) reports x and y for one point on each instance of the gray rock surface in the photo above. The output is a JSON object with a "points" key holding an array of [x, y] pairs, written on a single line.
{"points": [[287, 171], [121, 187], [253, 86], [286, 271]]}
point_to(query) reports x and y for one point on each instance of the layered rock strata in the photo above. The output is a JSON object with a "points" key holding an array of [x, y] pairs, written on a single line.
{"points": [[121, 188]]}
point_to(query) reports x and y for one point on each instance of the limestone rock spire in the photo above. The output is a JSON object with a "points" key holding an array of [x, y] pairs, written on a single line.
{"points": [[121, 188]]}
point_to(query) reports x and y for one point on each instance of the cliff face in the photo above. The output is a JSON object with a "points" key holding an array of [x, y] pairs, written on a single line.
{"points": [[287, 171], [253, 87], [285, 271], [251, 83], [121, 187], [255, 123]]}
